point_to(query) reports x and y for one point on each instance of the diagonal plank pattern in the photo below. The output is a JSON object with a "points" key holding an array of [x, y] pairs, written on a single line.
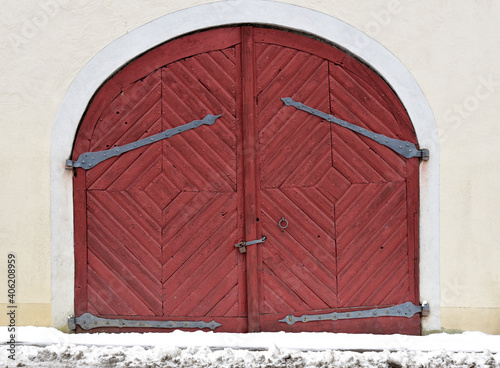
{"points": [[163, 217], [372, 247], [126, 258], [344, 197], [291, 143], [160, 222], [124, 245], [358, 158], [199, 254], [204, 158], [134, 114], [298, 263], [199, 227]]}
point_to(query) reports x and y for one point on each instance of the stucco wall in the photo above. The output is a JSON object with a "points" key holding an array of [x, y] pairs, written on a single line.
{"points": [[451, 51]]}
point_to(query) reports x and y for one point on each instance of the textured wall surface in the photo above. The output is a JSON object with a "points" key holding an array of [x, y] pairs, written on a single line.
{"points": [[451, 49]]}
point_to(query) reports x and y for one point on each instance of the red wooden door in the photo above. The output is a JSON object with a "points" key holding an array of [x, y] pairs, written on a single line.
{"points": [[351, 204], [155, 228], [162, 220]]}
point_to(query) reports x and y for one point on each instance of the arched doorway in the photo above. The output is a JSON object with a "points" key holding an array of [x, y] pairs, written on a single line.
{"points": [[157, 226]]}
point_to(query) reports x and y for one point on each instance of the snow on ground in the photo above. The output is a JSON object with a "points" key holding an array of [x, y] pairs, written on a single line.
{"points": [[64, 355], [48, 347]]}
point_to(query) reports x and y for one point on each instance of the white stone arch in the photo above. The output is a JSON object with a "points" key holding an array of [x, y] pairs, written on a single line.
{"points": [[170, 26]]}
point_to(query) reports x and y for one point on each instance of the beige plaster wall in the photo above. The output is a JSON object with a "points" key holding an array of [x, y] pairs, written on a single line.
{"points": [[451, 48]]}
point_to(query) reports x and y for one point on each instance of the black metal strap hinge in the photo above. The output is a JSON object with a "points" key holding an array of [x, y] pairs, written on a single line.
{"points": [[88, 321], [407, 310], [89, 160], [404, 148]]}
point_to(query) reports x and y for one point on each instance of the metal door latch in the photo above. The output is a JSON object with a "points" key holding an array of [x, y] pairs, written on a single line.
{"points": [[407, 310], [404, 148], [243, 245], [88, 160]]}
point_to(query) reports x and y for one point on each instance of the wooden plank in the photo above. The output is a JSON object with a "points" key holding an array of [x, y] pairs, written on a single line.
{"points": [[368, 256], [124, 252], [212, 287], [224, 308], [288, 137], [288, 161], [111, 287], [242, 309], [351, 102], [363, 101], [127, 111], [218, 299], [100, 100], [295, 153], [391, 270], [99, 301], [303, 230], [215, 72], [213, 232], [194, 280], [385, 95], [120, 172], [333, 185], [413, 203], [280, 293], [250, 147], [367, 210], [318, 208], [189, 93], [198, 228], [118, 223], [106, 172], [270, 60], [385, 325], [299, 42], [181, 210], [315, 166], [181, 48], [312, 261], [80, 233], [298, 277]]}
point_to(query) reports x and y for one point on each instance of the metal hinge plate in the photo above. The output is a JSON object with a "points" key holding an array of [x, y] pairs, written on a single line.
{"points": [[88, 321], [404, 148], [407, 310], [89, 160]]}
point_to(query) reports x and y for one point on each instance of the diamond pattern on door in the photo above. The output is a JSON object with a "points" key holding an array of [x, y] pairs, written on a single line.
{"points": [[156, 228], [162, 220]]}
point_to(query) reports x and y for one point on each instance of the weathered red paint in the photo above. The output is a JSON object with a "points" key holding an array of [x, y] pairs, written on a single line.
{"points": [[155, 228]]}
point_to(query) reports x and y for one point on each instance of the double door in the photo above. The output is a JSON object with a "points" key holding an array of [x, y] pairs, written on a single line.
{"points": [[156, 227]]}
